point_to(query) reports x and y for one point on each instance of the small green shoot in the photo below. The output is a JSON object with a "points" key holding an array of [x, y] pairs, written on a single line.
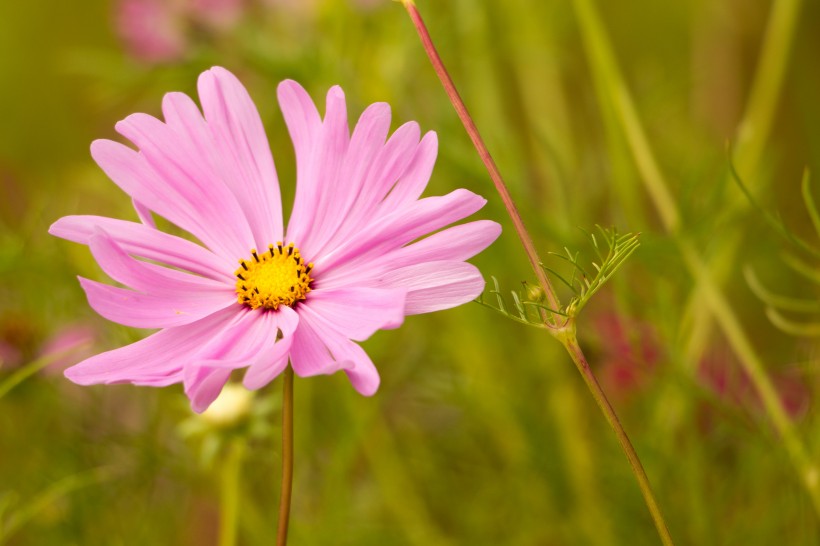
{"points": [[612, 250], [777, 304]]}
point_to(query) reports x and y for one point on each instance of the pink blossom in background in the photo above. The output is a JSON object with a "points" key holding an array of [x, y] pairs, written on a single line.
{"points": [[720, 372], [217, 14], [10, 356], [152, 30], [630, 352], [67, 345], [255, 295], [158, 31]]}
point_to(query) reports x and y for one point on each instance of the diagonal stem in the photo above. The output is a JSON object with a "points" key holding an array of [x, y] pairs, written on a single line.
{"points": [[287, 457], [570, 342], [565, 332], [483, 152]]}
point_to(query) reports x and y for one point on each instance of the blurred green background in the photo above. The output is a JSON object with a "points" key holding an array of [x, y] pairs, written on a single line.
{"points": [[482, 432]]}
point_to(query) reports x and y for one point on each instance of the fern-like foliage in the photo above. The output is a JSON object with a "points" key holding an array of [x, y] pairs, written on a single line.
{"points": [[795, 316], [527, 305]]}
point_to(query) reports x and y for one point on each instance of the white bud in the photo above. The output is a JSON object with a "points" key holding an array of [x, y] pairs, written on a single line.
{"points": [[232, 404]]}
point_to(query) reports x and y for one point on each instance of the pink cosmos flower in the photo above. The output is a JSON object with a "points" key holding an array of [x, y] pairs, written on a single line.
{"points": [[254, 295]]}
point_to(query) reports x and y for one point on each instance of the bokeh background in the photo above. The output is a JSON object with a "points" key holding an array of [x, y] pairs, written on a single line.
{"points": [[482, 431]]}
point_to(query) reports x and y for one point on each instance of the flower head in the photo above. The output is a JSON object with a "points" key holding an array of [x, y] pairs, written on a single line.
{"points": [[253, 295]]}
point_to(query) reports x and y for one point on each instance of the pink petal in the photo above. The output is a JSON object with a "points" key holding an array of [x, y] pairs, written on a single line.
{"points": [[389, 164], [139, 310], [433, 286], [304, 125], [144, 214], [185, 172], [368, 139], [343, 353], [236, 126], [358, 312], [146, 242], [271, 362], [415, 178], [151, 278], [456, 243], [319, 172], [400, 227], [203, 384], [155, 360], [246, 341], [309, 355]]}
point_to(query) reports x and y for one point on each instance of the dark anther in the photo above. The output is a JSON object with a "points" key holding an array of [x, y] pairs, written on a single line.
{"points": [[244, 287], [291, 289], [270, 248], [279, 246], [239, 275], [245, 267], [290, 250], [297, 259], [255, 289], [255, 256]]}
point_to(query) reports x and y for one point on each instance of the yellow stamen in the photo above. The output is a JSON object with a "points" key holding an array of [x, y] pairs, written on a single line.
{"points": [[273, 278]]}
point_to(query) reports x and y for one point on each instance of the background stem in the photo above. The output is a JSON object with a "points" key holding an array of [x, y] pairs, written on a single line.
{"points": [[231, 478], [607, 74], [287, 457]]}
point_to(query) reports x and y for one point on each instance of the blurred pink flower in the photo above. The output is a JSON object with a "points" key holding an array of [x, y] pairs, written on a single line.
{"points": [[67, 344], [349, 265], [159, 30], [10, 356], [630, 352], [721, 372], [217, 14], [153, 30]]}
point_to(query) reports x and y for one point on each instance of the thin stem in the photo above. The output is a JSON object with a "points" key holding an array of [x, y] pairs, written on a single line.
{"points": [[570, 342], [483, 152], [566, 331], [229, 509], [35, 366], [287, 457], [755, 127]]}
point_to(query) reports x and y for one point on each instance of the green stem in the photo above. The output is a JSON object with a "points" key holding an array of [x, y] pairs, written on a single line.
{"points": [[753, 131], [35, 366], [570, 342], [564, 332], [231, 478], [287, 457], [750, 141]]}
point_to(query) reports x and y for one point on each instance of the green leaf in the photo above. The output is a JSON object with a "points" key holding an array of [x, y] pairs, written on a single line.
{"points": [[612, 250]]}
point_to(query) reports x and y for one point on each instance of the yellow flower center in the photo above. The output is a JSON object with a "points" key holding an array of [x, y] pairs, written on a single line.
{"points": [[273, 278]]}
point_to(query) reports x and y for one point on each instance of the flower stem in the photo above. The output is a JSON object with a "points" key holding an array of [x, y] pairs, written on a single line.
{"points": [[483, 152], [564, 332], [287, 457], [570, 342], [229, 509]]}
